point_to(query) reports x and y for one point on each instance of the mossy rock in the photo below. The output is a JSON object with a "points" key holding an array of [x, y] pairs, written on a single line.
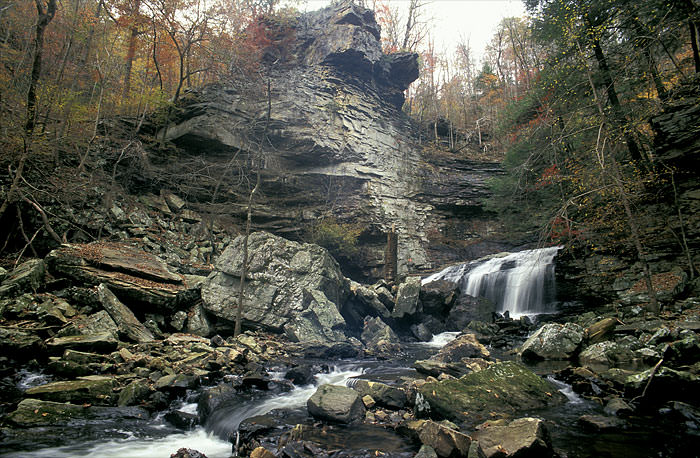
{"points": [[34, 412], [502, 390], [92, 390]]}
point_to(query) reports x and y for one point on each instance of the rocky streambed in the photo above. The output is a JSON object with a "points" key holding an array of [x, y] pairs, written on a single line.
{"points": [[109, 351]]}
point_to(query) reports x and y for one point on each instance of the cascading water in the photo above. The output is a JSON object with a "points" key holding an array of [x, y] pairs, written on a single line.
{"points": [[521, 283]]}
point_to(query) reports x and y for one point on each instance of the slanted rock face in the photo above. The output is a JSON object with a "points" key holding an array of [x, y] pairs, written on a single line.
{"points": [[336, 403], [338, 142], [291, 287], [553, 341]]}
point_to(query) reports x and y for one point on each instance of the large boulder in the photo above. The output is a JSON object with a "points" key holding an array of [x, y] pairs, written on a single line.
{"points": [[467, 309], [437, 297], [337, 404], [292, 287], [553, 341], [521, 438], [607, 353], [407, 304], [501, 390], [132, 274]]}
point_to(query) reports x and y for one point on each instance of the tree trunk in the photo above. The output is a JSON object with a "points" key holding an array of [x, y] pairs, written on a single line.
{"points": [[43, 19], [391, 255], [244, 267]]}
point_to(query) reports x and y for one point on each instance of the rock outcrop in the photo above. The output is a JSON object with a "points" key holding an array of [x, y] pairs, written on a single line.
{"points": [[337, 144], [291, 287]]}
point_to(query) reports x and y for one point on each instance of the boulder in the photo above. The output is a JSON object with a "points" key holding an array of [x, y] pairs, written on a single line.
{"points": [[436, 368], [134, 393], [553, 341], [320, 321], [468, 308], [34, 413], [132, 274], [20, 343], [378, 337], [95, 390], [198, 323], [124, 318], [284, 279], [188, 453], [437, 297], [366, 301], [600, 423], [28, 276], [521, 438], [103, 342], [658, 385], [464, 346], [503, 389], [607, 353], [384, 395], [337, 404], [426, 451], [407, 304], [445, 441]]}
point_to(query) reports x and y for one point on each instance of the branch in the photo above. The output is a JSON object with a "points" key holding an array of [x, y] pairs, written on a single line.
{"points": [[44, 218]]}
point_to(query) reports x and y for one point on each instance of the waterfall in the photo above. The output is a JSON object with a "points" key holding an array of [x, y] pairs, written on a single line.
{"points": [[521, 283]]}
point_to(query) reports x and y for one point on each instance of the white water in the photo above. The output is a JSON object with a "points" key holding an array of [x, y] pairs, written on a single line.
{"points": [[521, 283], [208, 443], [566, 390], [440, 340]]}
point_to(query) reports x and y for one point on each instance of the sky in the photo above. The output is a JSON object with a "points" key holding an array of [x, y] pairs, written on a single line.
{"points": [[475, 20]]}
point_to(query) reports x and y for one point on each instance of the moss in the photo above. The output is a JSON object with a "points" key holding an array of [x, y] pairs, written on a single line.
{"points": [[502, 390]]}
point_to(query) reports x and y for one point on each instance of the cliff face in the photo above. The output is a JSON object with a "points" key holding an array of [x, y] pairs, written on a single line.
{"points": [[337, 143]]}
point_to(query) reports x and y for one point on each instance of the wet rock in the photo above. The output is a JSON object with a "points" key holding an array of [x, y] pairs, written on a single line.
{"points": [[437, 297], [466, 309], [214, 397], [21, 344], [333, 351], [524, 437], [663, 384], [366, 301], [132, 274], [91, 389], [28, 276], [464, 346], [34, 412], [280, 272], [336, 403], [503, 389], [436, 368], [618, 407], [600, 423], [261, 452], [188, 453], [421, 332], [553, 341], [182, 420], [378, 337], [607, 353], [176, 382], [426, 451], [384, 395], [126, 321], [445, 441], [685, 350], [103, 342], [134, 393], [407, 303], [300, 375]]}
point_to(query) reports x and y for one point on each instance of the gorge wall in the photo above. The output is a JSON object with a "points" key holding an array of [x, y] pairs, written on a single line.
{"points": [[336, 146]]}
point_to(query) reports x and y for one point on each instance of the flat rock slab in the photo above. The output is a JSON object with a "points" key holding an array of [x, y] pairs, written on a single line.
{"points": [[103, 342], [35, 412], [130, 272], [522, 438], [91, 390]]}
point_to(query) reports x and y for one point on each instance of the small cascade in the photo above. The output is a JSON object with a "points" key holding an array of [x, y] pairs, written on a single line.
{"points": [[521, 283]]}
